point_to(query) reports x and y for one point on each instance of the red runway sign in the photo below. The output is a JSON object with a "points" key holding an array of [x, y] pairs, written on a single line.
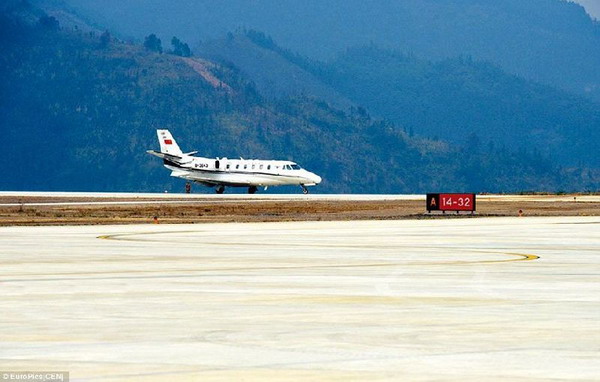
{"points": [[450, 202]]}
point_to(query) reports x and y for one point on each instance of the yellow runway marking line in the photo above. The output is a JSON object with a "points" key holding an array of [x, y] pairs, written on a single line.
{"points": [[519, 256], [125, 237], [175, 273]]}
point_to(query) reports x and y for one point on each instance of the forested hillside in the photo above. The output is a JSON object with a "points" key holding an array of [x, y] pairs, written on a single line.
{"points": [[551, 41], [453, 99], [277, 72], [456, 98], [79, 109]]}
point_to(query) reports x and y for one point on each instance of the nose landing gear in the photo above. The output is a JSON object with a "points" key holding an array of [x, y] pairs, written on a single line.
{"points": [[304, 189]]}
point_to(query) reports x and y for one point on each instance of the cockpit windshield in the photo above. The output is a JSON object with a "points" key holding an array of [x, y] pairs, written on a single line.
{"points": [[296, 167]]}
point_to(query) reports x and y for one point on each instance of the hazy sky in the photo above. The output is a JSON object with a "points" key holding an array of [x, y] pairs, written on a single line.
{"points": [[592, 7]]}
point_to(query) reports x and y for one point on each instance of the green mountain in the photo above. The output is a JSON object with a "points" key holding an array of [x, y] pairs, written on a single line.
{"points": [[453, 99], [276, 72], [79, 109], [456, 98], [551, 41]]}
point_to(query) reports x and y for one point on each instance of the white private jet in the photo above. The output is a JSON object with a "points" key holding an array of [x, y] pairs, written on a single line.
{"points": [[223, 172]]}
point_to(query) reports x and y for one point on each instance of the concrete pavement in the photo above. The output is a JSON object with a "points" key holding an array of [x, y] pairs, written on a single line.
{"points": [[469, 299]]}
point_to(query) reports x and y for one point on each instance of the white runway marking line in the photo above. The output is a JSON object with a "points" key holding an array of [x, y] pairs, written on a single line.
{"points": [[209, 196], [158, 202]]}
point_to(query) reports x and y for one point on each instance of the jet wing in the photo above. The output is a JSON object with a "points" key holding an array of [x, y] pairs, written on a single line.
{"points": [[180, 174]]}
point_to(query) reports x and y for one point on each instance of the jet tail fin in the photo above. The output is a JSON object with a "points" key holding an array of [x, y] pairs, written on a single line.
{"points": [[168, 144]]}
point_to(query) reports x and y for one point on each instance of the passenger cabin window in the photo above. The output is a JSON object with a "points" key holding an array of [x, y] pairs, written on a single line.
{"points": [[245, 166], [268, 167], [261, 166], [237, 166], [228, 167], [253, 166]]}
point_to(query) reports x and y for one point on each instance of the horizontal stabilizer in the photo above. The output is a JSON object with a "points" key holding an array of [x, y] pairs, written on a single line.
{"points": [[174, 158]]}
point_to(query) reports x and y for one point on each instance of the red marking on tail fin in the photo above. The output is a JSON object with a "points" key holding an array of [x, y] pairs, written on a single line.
{"points": [[168, 142]]}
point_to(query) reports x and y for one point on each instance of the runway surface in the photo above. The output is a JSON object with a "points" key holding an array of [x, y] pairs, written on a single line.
{"points": [[23, 198], [484, 299], [166, 197]]}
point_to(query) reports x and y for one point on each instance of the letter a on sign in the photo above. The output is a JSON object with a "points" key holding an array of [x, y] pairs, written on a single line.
{"points": [[433, 202]]}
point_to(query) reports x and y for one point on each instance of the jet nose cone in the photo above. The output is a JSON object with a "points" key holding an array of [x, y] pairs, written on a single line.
{"points": [[316, 178]]}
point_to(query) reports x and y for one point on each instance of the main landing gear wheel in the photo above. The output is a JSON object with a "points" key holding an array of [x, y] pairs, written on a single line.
{"points": [[252, 189], [220, 189], [304, 189]]}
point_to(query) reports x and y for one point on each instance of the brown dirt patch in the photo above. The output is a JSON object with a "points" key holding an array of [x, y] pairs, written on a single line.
{"points": [[202, 211]]}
